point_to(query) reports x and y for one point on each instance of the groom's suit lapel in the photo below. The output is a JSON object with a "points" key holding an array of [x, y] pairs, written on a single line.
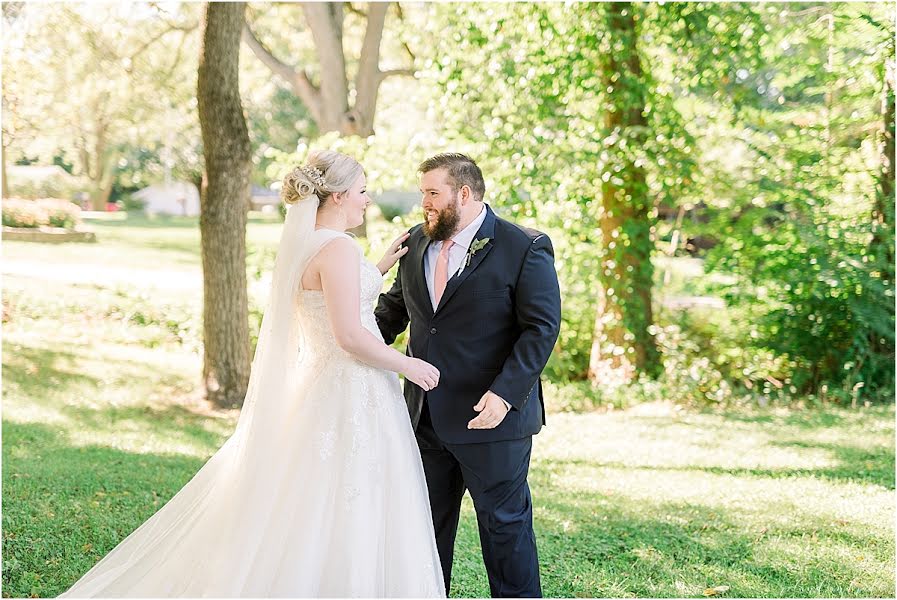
{"points": [[420, 286], [487, 230]]}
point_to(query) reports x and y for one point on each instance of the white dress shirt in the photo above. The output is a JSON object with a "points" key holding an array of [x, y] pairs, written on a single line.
{"points": [[457, 253]]}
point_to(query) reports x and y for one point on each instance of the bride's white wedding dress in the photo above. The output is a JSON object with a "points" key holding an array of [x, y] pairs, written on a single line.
{"points": [[323, 495]]}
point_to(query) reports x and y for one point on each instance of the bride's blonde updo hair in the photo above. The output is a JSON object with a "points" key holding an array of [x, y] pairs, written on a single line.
{"points": [[325, 172]]}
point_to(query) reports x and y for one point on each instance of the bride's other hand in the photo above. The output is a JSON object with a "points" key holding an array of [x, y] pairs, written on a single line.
{"points": [[395, 251], [422, 373]]}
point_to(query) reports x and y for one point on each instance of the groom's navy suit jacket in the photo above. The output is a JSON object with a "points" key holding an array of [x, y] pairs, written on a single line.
{"points": [[494, 329]]}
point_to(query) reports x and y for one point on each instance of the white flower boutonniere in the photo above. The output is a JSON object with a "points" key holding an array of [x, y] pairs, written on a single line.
{"points": [[475, 247]]}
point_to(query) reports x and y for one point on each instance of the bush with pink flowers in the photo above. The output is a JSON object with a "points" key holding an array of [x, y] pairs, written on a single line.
{"points": [[51, 212]]}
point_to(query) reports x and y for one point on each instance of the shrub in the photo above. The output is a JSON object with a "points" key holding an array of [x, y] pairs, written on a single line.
{"points": [[38, 213], [53, 183], [132, 204], [61, 213], [23, 213]]}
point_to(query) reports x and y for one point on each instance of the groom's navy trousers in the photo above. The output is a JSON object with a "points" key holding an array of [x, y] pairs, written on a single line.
{"points": [[494, 329], [495, 474]]}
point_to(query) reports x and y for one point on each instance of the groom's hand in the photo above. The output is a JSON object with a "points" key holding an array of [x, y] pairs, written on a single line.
{"points": [[492, 409]]}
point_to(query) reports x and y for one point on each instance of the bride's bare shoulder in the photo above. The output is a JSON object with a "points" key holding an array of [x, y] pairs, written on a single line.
{"points": [[336, 255], [338, 248]]}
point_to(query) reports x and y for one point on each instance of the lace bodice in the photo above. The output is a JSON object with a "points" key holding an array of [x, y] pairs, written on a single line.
{"points": [[312, 312]]}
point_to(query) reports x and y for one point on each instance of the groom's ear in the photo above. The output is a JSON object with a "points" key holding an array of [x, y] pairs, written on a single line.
{"points": [[466, 194]]}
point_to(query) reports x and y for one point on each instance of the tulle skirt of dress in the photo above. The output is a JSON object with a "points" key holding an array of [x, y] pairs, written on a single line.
{"points": [[327, 500]]}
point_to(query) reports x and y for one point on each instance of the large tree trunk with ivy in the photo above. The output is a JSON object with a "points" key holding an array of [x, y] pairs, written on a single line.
{"points": [[224, 202], [883, 213], [881, 247], [623, 345]]}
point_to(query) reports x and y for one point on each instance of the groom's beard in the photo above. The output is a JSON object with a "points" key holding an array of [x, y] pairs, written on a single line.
{"points": [[447, 221]]}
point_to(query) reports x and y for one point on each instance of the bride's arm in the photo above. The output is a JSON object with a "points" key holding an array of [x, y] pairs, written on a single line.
{"points": [[339, 269]]}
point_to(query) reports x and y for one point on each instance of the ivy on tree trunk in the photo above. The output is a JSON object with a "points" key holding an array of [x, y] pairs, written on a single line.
{"points": [[622, 344]]}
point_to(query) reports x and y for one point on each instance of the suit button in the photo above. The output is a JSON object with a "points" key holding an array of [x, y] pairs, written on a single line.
{"points": [[433, 330]]}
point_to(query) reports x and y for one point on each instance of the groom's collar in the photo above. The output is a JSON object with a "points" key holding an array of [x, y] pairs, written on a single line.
{"points": [[464, 237], [486, 229]]}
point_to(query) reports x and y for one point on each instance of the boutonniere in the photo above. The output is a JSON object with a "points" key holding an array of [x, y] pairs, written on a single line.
{"points": [[475, 247]]}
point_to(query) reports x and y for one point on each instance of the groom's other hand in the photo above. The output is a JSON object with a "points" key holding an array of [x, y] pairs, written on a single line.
{"points": [[492, 409]]}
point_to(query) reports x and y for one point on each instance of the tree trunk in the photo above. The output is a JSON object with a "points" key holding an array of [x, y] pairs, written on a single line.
{"points": [[3, 175], [623, 345], [369, 76], [883, 212], [325, 19], [102, 179], [224, 199]]}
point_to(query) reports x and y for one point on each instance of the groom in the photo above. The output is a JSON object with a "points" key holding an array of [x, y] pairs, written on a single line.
{"points": [[483, 301]]}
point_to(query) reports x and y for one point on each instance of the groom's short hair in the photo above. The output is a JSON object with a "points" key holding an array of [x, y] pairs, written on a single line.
{"points": [[461, 170]]}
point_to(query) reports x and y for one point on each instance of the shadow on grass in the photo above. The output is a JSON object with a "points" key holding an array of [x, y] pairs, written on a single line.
{"points": [[32, 370], [169, 421], [864, 465], [858, 465], [594, 545], [811, 418], [65, 507]]}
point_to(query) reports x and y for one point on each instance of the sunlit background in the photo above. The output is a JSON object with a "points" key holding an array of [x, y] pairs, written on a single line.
{"points": [[718, 183]]}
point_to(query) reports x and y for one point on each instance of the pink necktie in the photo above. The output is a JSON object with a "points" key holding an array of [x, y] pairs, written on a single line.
{"points": [[441, 276]]}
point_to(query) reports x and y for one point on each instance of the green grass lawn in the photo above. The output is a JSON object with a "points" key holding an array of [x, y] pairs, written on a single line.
{"points": [[102, 423]]}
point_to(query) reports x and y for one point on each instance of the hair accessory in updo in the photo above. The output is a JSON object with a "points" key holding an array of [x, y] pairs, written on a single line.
{"points": [[308, 181], [315, 174]]}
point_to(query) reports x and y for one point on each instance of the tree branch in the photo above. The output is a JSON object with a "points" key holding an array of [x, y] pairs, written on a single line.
{"points": [[355, 11], [276, 66], [401, 15], [367, 81], [170, 27], [174, 64], [392, 72], [297, 79], [325, 22]]}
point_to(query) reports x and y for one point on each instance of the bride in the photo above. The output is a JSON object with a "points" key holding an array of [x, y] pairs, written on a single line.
{"points": [[320, 491]]}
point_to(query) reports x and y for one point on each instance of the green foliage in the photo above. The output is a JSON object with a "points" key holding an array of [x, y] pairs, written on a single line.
{"points": [[130, 203], [101, 85], [762, 132], [278, 122], [815, 299], [744, 138], [795, 227], [529, 89]]}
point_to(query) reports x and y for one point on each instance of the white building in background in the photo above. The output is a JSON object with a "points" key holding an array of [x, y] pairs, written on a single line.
{"points": [[179, 198], [264, 199]]}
